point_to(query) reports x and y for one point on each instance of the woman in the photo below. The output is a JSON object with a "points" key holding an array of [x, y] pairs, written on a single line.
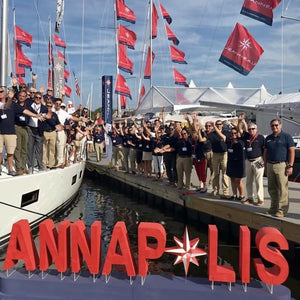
{"points": [[236, 164], [199, 160], [157, 156]]}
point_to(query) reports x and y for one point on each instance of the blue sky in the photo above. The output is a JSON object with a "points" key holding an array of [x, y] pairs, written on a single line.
{"points": [[202, 27]]}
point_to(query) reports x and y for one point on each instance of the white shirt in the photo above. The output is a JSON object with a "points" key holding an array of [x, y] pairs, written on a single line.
{"points": [[33, 122], [62, 116]]}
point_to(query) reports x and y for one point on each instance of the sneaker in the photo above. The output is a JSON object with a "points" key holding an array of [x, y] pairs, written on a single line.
{"points": [[246, 201], [227, 197], [279, 214], [241, 198], [12, 173], [259, 203]]}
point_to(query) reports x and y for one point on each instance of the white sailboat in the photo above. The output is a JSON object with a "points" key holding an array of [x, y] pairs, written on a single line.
{"points": [[39, 195]]}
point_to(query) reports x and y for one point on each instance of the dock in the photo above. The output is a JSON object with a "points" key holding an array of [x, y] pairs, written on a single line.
{"points": [[204, 206]]}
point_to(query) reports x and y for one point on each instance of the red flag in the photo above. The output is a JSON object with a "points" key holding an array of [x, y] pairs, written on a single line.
{"points": [[154, 21], [241, 51], [66, 74], [20, 71], [50, 52], [127, 37], [142, 93], [179, 78], [123, 101], [147, 74], [76, 85], [124, 13], [180, 99], [22, 36], [49, 85], [122, 87], [60, 55], [125, 64], [68, 91], [177, 56], [58, 41], [171, 36], [21, 59], [165, 14], [20, 79], [260, 10]]}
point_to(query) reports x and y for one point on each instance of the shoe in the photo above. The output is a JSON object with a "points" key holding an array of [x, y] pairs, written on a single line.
{"points": [[214, 193], [241, 198], [226, 197], [270, 212], [259, 203], [133, 172], [61, 166], [20, 172], [12, 173], [279, 214], [204, 190], [42, 169], [0, 170]]}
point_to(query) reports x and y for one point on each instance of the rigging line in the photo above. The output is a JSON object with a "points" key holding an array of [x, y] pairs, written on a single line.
{"points": [[82, 35], [212, 41]]}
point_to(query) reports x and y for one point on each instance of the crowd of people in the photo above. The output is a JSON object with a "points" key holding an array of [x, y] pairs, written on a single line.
{"points": [[38, 133], [225, 155]]}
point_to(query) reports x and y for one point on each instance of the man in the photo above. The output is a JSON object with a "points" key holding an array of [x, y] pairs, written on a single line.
{"points": [[279, 157], [209, 125], [254, 144], [49, 95], [218, 139]]}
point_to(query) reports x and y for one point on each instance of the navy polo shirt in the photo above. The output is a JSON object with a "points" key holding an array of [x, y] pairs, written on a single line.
{"points": [[125, 138], [184, 148], [254, 147], [217, 143], [278, 146], [99, 137], [7, 118], [115, 138]]}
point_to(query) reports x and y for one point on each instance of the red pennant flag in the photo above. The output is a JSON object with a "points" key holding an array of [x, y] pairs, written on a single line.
{"points": [[142, 93], [179, 78], [122, 87], [20, 79], [154, 21], [50, 52], [125, 64], [177, 56], [241, 51], [21, 59], [66, 74], [127, 37], [171, 36], [147, 74], [20, 71], [58, 41], [123, 101], [165, 14], [22, 36], [76, 85], [60, 55], [49, 85], [124, 13], [68, 91], [260, 10]]}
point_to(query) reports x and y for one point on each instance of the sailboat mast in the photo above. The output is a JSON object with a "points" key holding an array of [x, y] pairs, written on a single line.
{"points": [[4, 42], [151, 10], [119, 110]]}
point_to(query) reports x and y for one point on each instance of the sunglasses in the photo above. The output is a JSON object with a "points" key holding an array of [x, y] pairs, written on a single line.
{"points": [[1, 91], [233, 133], [251, 128], [219, 124], [38, 97], [274, 125]]}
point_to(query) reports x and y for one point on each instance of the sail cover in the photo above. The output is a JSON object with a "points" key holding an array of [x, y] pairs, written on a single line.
{"points": [[58, 41], [260, 10], [122, 87], [179, 78], [177, 56], [171, 36], [127, 37], [124, 64], [147, 74], [241, 51], [22, 36], [125, 13], [154, 21], [165, 14]]}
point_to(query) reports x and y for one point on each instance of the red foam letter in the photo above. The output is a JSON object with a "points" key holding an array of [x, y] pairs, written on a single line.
{"points": [[54, 247], [216, 272], [244, 254], [278, 273], [84, 246], [153, 230], [21, 246], [119, 237]]}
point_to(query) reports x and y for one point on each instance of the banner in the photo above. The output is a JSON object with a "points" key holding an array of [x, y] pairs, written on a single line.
{"points": [[107, 98], [127, 37], [58, 76], [21, 59], [122, 87], [58, 41], [125, 13], [179, 78], [66, 75], [177, 56], [241, 51], [124, 64], [171, 36], [22, 37], [165, 14]]}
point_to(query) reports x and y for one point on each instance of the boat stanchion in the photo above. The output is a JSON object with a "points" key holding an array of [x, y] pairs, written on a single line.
{"points": [[229, 287], [212, 285], [44, 274], [30, 274], [245, 287], [95, 276], [130, 280], [9, 274], [76, 276], [270, 288], [143, 279], [107, 277], [62, 276]]}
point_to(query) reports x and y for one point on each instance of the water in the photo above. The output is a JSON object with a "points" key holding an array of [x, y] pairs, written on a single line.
{"points": [[100, 202]]}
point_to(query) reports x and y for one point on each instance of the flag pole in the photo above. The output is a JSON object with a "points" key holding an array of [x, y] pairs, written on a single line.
{"points": [[119, 110], [82, 33], [4, 42]]}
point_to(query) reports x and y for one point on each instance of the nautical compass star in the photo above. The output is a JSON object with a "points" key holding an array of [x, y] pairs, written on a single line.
{"points": [[186, 251], [245, 44]]}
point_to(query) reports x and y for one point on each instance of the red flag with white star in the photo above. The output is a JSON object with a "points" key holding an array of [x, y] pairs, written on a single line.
{"points": [[58, 41], [177, 56], [179, 78], [22, 37], [127, 37], [125, 13], [122, 87], [124, 63], [241, 51]]}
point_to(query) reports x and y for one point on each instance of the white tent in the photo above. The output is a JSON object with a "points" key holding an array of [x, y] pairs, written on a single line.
{"points": [[181, 98]]}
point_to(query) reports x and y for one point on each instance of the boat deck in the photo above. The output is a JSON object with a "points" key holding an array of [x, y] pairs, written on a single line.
{"points": [[232, 211]]}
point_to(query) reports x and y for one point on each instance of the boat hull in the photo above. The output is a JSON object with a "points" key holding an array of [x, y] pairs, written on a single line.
{"points": [[37, 196]]}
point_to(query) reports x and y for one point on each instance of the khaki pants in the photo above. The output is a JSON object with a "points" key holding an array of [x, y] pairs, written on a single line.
{"points": [[99, 150], [184, 166], [21, 149], [117, 155], [254, 175], [49, 149], [219, 164], [209, 160], [61, 140], [278, 187]]}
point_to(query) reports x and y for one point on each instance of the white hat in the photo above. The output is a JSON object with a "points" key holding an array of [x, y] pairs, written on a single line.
{"points": [[63, 104]]}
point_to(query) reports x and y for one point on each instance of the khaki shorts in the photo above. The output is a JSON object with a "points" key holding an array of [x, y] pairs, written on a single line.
{"points": [[10, 142]]}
